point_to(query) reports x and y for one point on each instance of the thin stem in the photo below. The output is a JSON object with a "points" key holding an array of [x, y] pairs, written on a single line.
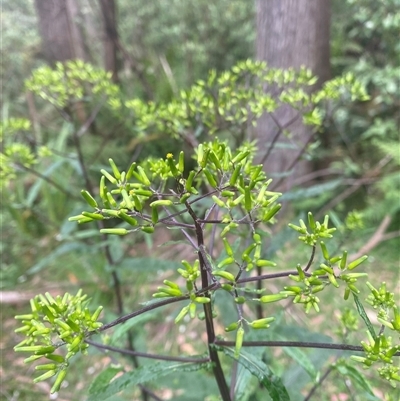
{"points": [[276, 184], [277, 135], [217, 368], [311, 259], [147, 355], [178, 224], [48, 180], [131, 315], [107, 250], [266, 276], [298, 344], [318, 384]]}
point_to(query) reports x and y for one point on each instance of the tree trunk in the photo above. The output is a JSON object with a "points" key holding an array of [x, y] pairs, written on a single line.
{"points": [[110, 37], [61, 37], [291, 33]]}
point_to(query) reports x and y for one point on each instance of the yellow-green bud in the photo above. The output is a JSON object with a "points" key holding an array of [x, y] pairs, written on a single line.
{"points": [[261, 323], [115, 170], [272, 298], [224, 274], [88, 198], [161, 202], [233, 326], [356, 262]]}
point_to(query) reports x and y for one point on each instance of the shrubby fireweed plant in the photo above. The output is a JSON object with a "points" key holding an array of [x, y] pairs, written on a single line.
{"points": [[164, 192], [222, 204]]}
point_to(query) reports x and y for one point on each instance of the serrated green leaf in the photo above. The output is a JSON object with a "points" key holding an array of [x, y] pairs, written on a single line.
{"points": [[124, 327], [61, 250], [147, 264], [302, 359], [357, 376], [259, 369], [141, 375], [364, 316], [312, 191], [103, 379]]}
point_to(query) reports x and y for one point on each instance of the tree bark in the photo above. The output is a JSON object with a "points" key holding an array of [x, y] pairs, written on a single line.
{"points": [[61, 37], [110, 37], [291, 33]]}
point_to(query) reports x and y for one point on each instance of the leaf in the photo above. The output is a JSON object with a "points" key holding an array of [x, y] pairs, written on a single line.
{"points": [[148, 264], [63, 248], [312, 191], [358, 377], [124, 327], [141, 375], [103, 379], [34, 190], [170, 243], [364, 316], [302, 359], [243, 387], [259, 369]]}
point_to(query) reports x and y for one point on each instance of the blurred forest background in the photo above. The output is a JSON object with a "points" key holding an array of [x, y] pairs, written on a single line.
{"points": [[153, 50]]}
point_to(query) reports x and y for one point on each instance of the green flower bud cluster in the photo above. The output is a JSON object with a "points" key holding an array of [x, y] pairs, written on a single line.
{"points": [[171, 289], [230, 100], [323, 276], [55, 322], [349, 322], [315, 231], [249, 258], [257, 324], [305, 289], [70, 81], [237, 185], [381, 298], [125, 202], [380, 350]]}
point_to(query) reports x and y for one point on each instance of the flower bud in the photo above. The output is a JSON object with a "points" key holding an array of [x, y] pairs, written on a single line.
{"points": [[232, 327], [115, 170], [108, 176], [60, 378], [356, 262], [182, 314], [161, 202], [272, 298], [114, 231], [261, 323], [227, 261], [129, 219], [224, 274], [202, 300], [89, 199], [45, 376], [192, 310], [218, 201], [144, 179], [227, 246], [240, 300], [265, 263], [239, 341]]}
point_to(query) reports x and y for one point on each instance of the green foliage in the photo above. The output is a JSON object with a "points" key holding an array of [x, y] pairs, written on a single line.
{"points": [[172, 192], [51, 324], [365, 44], [228, 102], [42, 169], [68, 83], [176, 47], [257, 368], [102, 389], [238, 189]]}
